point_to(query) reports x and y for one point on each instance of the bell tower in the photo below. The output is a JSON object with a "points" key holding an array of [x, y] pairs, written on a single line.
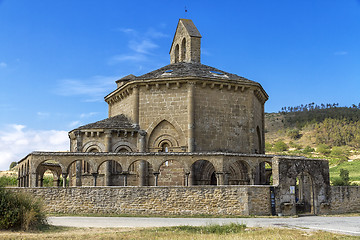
{"points": [[186, 43]]}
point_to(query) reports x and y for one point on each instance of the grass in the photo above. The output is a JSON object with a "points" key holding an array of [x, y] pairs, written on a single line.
{"points": [[226, 232], [353, 168]]}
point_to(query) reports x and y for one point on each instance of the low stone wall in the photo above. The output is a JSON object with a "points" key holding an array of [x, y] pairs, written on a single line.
{"points": [[211, 200], [344, 199]]}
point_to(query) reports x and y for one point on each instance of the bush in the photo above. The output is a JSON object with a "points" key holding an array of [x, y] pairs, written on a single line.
{"points": [[308, 149], [280, 146], [323, 149], [268, 147], [8, 181], [20, 211], [344, 179], [339, 153], [294, 133]]}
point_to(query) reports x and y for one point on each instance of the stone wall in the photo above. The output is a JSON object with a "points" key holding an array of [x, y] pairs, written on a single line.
{"points": [[223, 200], [344, 199]]}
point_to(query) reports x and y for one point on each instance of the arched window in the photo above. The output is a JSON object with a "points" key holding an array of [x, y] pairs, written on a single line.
{"points": [[165, 147], [183, 50], [177, 53]]}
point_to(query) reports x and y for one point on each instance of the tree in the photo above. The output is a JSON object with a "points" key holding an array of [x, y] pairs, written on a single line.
{"points": [[13, 164]]}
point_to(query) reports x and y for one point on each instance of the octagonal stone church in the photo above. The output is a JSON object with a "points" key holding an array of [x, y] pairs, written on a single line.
{"points": [[184, 124]]}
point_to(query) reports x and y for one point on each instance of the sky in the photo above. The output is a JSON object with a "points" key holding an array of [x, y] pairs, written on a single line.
{"points": [[59, 58]]}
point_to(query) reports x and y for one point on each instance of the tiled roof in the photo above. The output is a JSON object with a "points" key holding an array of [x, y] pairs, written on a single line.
{"points": [[184, 69], [117, 122]]}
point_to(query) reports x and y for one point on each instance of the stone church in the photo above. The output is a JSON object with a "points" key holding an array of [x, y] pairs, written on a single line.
{"points": [[185, 124]]}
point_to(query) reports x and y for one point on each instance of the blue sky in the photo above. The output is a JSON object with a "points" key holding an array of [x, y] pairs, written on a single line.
{"points": [[58, 59]]}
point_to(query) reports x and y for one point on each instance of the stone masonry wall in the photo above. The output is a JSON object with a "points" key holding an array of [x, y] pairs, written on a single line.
{"points": [[344, 199], [227, 200]]}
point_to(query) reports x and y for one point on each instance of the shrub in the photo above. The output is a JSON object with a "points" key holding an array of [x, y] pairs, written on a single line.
{"points": [[280, 146], [12, 165], [323, 149], [20, 211], [294, 133], [339, 153], [308, 149], [344, 179], [8, 181], [268, 147]]}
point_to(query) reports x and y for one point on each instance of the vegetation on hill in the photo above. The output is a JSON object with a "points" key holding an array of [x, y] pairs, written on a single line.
{"points": [[318, 131]]}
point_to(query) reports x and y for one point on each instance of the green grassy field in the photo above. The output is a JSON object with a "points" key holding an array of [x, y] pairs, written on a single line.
{"points": [[353, 168]]}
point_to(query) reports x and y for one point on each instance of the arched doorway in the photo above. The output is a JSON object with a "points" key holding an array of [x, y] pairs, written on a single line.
{"points": [[304, 194], [79, 173], [109, 174], [48, 174], [238, 173], [202, 173], [140, 173]]}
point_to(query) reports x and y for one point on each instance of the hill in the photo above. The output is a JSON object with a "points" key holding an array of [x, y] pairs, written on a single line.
{"points": [[318, 131]]}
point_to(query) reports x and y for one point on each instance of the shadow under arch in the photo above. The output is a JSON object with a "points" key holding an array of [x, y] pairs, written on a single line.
{"points": [[304, 194], [202, 172], [140, 173], [264, 173], [54, 167], [109, 173], [80, 173], [238, 173]]}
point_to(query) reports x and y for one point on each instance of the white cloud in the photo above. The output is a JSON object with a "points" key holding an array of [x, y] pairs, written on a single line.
{"points": [[140, 45], [90, 114], [341, 53], [3, 65], [144, 46], [94, 88], [74, 124], [17, 141]]}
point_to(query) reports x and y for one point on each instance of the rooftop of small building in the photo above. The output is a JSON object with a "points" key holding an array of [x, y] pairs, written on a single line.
{"points": [[116, 122]]}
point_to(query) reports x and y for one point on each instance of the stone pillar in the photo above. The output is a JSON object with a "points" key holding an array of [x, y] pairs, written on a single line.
{"points": [[78, 173], [191, 117], [192, 176], [125, 174], [252, 176], [220, 178], [136, 105], [32, 180], [142, 141], [64, 175], [142, 164], [95, 175], [108, 163], [187, 179], [156, 178]]}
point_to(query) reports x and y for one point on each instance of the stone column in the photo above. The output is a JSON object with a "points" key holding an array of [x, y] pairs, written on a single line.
{"points": [[191, 117], [125, 174], [64, 175], [156, 178], [142, 163], [78, 173], [108, 163], [32, 180], [192, 176], [252, 176], [78, 167], [220, 178], [136, 105], [95, 175], [187, 179]]}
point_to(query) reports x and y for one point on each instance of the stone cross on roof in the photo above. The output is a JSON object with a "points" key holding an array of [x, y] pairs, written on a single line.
{"points": [[186, 43]]}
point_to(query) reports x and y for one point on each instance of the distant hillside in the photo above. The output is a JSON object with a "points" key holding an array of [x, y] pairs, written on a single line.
{"points": [[317, 131]]}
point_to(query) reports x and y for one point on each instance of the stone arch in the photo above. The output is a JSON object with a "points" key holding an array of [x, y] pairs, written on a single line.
{"points": [[183, 50], [238, 173], [119, 146], [109, 173], [51, 165], [164, 131], [304, 194], [171, 173], [202, 173], [140, 173], [87, 147], [264, 173], [76, 174], [177, 53]]}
